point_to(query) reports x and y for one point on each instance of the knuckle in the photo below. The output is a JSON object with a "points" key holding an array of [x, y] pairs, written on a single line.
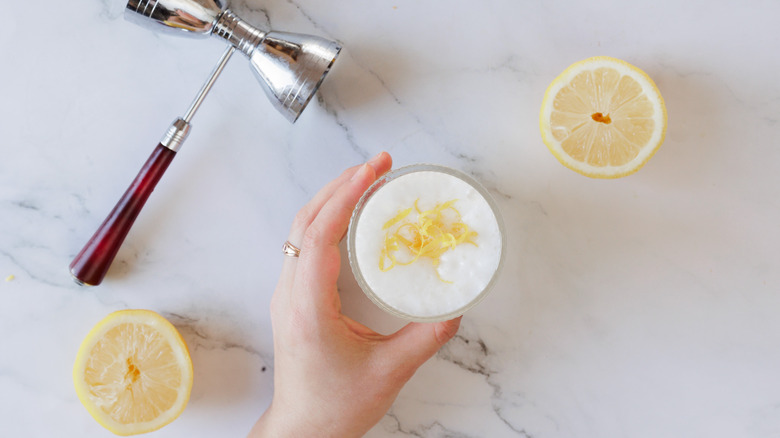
{"points": [[346, 210], [292, 324], [296, 319], [347, 173], [312, 237], [445, 332], [303, 218], [274, 307], [301, 326]]}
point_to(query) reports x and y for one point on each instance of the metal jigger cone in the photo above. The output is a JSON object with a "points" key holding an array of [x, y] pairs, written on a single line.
{"points": [[289, 66]]}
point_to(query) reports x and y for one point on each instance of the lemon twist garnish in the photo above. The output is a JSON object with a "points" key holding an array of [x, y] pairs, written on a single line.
{"points": [[435, 232]]}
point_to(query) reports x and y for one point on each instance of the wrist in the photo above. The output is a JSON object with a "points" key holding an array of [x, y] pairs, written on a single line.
{"points": [[279, 423], [272, 424]]}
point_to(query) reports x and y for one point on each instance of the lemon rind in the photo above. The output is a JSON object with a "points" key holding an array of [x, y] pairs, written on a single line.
{"points": [[180, 348], [648, 87]]}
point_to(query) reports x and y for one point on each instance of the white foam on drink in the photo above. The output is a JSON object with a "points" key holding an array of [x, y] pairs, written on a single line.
{"points": [[415, 289]]}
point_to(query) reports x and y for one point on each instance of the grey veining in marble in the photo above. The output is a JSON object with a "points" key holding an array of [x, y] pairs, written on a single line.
{"points": [[640, 307]]}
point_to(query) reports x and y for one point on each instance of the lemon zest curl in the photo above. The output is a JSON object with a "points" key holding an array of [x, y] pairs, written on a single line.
{"points": [[433, 233]]}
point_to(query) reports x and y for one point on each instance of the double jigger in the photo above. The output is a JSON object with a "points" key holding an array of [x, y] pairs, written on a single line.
{"points": [[290, 67]]}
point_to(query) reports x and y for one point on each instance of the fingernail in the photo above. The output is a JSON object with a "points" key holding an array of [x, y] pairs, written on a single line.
{"points": [[360, 172], [373, 161]]}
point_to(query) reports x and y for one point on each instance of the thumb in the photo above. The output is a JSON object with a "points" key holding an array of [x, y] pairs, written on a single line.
{"points": [[417, 342]]}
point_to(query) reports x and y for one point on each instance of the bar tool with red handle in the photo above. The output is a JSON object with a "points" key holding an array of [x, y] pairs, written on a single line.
{"points": [[289, 66]]}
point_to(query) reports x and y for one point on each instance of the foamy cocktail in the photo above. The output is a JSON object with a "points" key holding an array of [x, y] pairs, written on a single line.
{"points": [[426, 242]]}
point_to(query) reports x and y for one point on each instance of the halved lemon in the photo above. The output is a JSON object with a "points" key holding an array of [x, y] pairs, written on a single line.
{"points": [[133, 372], [603, 117]]}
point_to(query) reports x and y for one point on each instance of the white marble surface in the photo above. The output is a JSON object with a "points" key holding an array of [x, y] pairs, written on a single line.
{"points": [[642, 307]]}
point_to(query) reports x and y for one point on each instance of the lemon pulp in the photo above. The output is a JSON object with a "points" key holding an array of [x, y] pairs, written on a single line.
{"points": [[130, 374], [133, 372], [603, 117]]}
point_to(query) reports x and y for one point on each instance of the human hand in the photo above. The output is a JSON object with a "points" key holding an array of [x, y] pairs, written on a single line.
{"points": [[334, 377]]}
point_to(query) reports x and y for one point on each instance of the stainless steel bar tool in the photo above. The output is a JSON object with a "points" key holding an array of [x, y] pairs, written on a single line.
{"points": [[290, 67]]}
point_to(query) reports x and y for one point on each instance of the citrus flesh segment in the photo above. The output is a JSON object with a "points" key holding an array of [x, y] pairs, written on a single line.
{"points": [[133, 372], [603, 117]]}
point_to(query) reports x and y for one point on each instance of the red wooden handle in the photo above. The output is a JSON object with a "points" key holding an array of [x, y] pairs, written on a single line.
{"points": [[91, 264]]}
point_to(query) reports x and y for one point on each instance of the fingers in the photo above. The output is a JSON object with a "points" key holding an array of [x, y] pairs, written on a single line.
{"points": [[320, 259], [417, 342], [381, 164]]}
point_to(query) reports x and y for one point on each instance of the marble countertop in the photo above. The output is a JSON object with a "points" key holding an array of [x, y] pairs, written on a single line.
{"points": [[641, 307]]}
